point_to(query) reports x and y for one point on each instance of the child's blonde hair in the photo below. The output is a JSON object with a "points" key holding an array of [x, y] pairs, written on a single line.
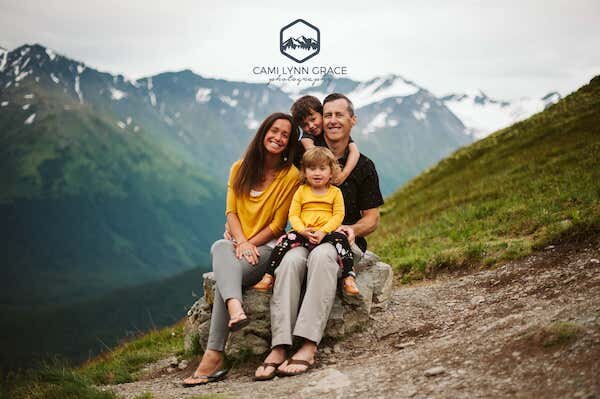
{"points": [[319, 156]]}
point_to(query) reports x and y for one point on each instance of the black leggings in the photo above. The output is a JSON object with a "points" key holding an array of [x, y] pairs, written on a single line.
{"points": [[293, 239]]}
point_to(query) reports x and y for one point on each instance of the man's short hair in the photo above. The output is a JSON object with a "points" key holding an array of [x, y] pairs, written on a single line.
{"points": [[338, 96], [303, 107]]}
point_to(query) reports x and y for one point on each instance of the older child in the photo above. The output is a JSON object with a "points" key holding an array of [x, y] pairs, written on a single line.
{"points": [[317, 210], [307, 112]]}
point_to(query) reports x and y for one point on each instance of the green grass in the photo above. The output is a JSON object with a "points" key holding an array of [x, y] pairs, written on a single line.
{"points": [[498, 199], [123, 363], [51, 381]]}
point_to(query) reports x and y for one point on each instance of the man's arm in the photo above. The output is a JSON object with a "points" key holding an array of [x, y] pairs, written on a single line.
{"points": [[367, 223], [364, 226]]}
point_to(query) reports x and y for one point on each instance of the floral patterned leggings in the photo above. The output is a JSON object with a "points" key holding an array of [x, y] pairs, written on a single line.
{"points": [[293, 239]]}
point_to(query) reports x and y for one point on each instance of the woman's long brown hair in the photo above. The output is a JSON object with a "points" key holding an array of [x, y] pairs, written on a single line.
{"points": [[252, 169]]}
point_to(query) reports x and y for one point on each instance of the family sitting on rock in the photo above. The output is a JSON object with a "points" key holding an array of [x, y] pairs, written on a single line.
{"points": [[332, 203]]}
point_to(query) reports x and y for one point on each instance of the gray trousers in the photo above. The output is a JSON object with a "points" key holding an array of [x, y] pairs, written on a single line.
{"points": [[308, 319], [231, 274]]}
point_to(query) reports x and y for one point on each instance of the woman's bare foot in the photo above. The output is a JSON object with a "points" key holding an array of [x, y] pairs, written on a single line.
{"points": [[306, 352], [236, 314], [211, 362], [277, 356]]}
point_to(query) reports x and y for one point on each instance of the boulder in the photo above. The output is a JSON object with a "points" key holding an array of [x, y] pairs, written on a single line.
{"points": [[349, 314]]}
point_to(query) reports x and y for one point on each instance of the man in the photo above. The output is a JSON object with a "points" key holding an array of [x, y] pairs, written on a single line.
{"points": [[307, 320]]}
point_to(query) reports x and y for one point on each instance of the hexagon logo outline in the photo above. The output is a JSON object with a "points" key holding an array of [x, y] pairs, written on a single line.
{"points": [[300, 40]]}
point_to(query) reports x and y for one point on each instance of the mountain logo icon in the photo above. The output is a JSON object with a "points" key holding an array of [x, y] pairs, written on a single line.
{"points": [[299, 40]]}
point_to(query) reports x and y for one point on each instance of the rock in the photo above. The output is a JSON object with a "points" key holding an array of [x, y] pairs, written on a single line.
{"points": [[171, 369], [327, 380], [434, 371], [183, 365], [348, 314], [173, 361], [596, 261], [477, 300], [403, 345]]}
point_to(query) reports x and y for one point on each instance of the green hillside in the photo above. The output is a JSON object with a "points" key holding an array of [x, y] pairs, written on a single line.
{"points": [[83, 330], [519, 189], [88, 207]]}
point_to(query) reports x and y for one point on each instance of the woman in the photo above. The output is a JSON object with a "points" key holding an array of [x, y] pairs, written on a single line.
{"points": [[259, 193]]}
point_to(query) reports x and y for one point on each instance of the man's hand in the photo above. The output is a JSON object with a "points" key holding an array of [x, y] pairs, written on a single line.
{"points": [[348, 232], [316, 237]]}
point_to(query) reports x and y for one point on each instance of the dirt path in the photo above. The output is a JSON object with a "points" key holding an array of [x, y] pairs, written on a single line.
{"points": [[530, 329]]}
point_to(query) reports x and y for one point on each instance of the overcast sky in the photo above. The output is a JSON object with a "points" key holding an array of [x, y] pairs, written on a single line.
{"points": [[508, 49]]}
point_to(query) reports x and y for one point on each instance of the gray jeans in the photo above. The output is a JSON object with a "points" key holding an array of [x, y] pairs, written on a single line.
{"points": [[231, 274], [307, 319]]}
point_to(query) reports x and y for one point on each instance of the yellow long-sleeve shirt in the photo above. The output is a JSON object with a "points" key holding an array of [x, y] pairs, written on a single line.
{"points": [[270, 208], [319, 212]]}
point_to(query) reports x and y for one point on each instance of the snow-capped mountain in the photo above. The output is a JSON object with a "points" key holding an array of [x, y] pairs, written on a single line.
{"points": [[483, 115]]}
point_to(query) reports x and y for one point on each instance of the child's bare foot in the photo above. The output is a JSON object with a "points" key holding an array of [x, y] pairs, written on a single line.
{"points": [[266, 284], [350, 287]]}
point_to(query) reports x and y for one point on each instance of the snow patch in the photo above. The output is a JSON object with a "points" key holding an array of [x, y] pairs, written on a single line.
{"points": [[229, 101], [152, 98], [54, 78], [381, 88], [22, 76], [3, 103], [377, 123], [121, 124], [129, 120], [250, 122], [235, 92], [136, 129], [25, 63], [26, 107], [203, 95], [4, 54], [419, 115], [168, 120], [149, 83], [78, 90], [483, 115], [80, 68], [28, 96], [50, 54], [116, 94], [30, 120]]}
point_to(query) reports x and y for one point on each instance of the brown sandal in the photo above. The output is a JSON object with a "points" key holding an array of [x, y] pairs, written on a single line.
{"points": [[265, 284], [269, 376], [299, 362]]}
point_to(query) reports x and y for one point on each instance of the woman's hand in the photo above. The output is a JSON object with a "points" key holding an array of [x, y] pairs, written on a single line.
{"points": [[247, 251]]}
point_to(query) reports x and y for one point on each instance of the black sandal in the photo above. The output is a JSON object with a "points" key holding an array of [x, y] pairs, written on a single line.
{"points": [[240, 323], [214, 377]]}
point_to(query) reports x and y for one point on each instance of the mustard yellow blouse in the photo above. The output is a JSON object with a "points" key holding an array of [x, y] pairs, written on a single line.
{"points": [[320, 212], [270, 208]]}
